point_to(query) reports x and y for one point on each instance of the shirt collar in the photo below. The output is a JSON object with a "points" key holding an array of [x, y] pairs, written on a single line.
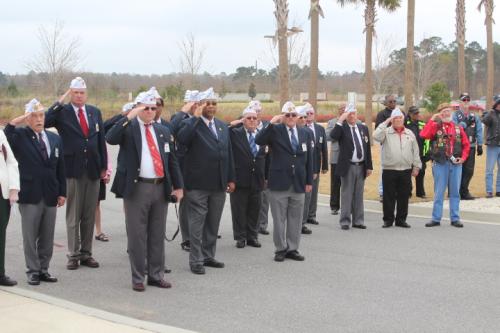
{"points": [[206, 121], [76, 108]]}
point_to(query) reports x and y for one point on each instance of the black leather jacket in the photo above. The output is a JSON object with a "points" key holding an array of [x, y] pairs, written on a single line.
{"points": [[492, 121]]}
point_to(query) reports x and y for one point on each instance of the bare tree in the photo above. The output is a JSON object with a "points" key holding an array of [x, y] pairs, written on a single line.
{"points": [[192, 56], [59, 55], [382, 69]]}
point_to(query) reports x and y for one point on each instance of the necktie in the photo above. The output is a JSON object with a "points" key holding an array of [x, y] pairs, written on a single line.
{"points": [[312, 129], [43, 147], [295, 143], [83, 122], [155, 154], [212, 128], [253, 146], [359, 153]]}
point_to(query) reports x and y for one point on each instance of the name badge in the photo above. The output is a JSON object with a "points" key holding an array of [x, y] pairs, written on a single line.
{"points": [[56, 152], [304, 147], [366, 139], [320, 139], [267, 149], [97, 127], [166, 148]]}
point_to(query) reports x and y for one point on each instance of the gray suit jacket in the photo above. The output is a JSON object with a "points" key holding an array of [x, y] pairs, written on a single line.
{"points": [[334, 145]]}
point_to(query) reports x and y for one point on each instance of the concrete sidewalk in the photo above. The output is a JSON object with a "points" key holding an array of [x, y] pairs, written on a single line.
{"points": [[27, 311]]}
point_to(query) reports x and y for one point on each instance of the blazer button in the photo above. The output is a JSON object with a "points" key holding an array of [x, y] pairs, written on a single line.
{"points": [[294, 155], [135, 180], [139, 170], [85, 150]]}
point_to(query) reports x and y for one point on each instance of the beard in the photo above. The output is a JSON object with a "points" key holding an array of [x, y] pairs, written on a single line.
{"points": [[446, 120]]}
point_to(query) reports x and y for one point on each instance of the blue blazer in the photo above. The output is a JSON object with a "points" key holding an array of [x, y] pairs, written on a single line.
{"points": [[287, 168], [40, 179], [127, 134], [176, 121], [250, 170], [80, 153], [320, 149], [208, 162]]}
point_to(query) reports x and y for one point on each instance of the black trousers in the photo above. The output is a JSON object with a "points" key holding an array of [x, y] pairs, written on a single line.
{"points": [[4, 220], [397, 189], [419, 181], [468, 172], [334, 189], [245, 208]]}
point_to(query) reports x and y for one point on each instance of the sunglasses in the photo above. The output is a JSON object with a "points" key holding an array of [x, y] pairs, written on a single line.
{"points": [[251, 118], [302, 117], [392, 101], [466, 100], [211, 103], [310, 113], [293, 115], [152, 108]]}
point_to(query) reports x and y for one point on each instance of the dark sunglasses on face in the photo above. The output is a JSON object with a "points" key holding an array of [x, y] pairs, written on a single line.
{"points": [[288, 115], [251, 118], [392, 101], [211, 103], [302, 117], [152, 108], [466, 100]]}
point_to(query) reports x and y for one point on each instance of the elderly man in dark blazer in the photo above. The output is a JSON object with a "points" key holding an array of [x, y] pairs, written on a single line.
{"points": [[249, 163], [354, 165], [208, 175], [151, 179], [290, 176], [81, 129], [43, 187]]}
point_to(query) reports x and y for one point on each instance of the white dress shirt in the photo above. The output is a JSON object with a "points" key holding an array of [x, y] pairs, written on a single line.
{"points": [[354, 157], [76, 108], [147, 166]]}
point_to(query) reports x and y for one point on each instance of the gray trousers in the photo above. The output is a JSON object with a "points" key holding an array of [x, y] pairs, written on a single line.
{"points": [[145, 216], [264, 210], [183, 218], [81, 202], [351, 195], [205, 211], [38, 223], [311, 202], [287, 208]]}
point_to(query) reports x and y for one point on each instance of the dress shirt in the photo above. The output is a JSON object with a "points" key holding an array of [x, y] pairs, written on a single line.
{"points": [[147, 166]]}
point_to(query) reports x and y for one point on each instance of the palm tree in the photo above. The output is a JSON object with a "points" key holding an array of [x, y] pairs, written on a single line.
{"points": [[460, 35], [410, 68], [488, 8], [370, 18], [314, 14]]}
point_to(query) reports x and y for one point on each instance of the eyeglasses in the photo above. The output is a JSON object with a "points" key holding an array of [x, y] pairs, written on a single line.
{"points": [[152, 108], [392, 101], [302, 117], [251, 118], [310, 113], [293, 115], [465, 99], [211, 103]]}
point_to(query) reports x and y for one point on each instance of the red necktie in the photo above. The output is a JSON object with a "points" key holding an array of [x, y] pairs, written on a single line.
{"points": [[155, 154], [83, 122]]}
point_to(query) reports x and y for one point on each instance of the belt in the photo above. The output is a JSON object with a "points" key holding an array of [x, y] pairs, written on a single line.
{"points": [[151, 180], [357, 163]]}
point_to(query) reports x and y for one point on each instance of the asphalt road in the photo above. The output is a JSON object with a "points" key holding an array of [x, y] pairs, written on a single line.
{"points": [[376, 280]]}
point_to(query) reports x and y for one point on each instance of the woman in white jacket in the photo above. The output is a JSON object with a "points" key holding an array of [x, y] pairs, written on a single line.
{"points": [[9, 187]]}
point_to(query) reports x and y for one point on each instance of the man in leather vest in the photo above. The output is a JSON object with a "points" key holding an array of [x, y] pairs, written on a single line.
{"points": [[449, 149], [491, 120]]}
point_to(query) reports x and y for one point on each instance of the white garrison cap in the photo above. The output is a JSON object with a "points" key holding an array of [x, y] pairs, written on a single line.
{"points": [[146, 97], [301, 110], [208, 94], [308, 108], [33, 106], [350, 108], [397, 113], [153, 91], [249, 110], [127, 107], [78, 83], [191, 96], [256, 105], [288, 107]]}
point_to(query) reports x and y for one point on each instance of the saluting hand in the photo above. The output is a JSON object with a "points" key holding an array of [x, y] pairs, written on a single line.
{"points": [[63, 96], [343, 117], [135, 111], [186, 107], [197, 112], [277, 119], [19, 120]]}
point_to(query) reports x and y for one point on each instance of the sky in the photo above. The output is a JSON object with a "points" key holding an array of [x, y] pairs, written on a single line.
{"points": [[142, 37]]}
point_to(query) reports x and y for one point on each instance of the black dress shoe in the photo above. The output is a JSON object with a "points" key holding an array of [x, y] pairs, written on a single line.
{"points": [[240, 244], [345, 227], [46, 277], [312, 221], [160, 283], [167, 270], [457, 224], [467, 196], [7, 281], [186, 246], [263, 232], [422, 196], [359, 226], [403, 225], [387, 225], [335, 212], [198, 269], [294, 255], [253, 243], [306, 230], [497, 194], [279, 256], [72, 264], [89, 262], [213, 263], [219, 236], [33, 279], [432, 224]]}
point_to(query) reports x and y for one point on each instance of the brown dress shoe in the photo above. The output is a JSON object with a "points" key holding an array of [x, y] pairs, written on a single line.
{"points": [[89, 262], [138, 286], [160, 283], [72, 264]]}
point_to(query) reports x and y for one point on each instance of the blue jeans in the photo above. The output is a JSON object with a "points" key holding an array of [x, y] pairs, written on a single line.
{"points": [[446, 175], [492, 156]]}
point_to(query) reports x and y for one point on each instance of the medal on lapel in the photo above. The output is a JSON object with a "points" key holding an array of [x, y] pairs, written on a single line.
{"points": [[97, 127], [56, 152], [166, 148]]}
